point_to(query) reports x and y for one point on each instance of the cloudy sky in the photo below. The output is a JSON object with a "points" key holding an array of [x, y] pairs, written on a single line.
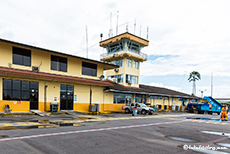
{"points": [[184, 35]]}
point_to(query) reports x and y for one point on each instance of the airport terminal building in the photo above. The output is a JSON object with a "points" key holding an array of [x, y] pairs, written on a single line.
{"points": [[32, 77]]}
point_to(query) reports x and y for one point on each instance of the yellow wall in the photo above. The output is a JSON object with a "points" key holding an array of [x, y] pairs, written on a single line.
{"points": [[6, 55], [126, 70], [53, 90], [42, 105], [103, 107], [168, 102], [98, 97], [43, 59], [1, 89], [158, 101], [15, 106], [83, 93]]}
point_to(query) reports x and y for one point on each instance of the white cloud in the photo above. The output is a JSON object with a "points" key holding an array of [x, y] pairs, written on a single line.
{"points": [[195, 32], [163, 86]]}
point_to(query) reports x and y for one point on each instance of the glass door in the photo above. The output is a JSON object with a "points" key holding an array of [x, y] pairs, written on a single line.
{"points": [[66, 100], [34, 95]]}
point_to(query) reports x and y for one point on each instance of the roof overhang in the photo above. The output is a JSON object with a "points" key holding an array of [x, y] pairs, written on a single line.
{"points": [[153, 94], [124, 55], [30, 47], [17, 73], [124, 36]]}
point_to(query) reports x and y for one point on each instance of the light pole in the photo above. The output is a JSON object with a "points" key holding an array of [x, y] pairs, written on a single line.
{"points": [[202, 92]]}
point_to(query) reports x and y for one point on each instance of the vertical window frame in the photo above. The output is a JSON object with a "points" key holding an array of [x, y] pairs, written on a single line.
{"points": [[57, 62], [23, 54], [89, 69], [17, 94], [129, 63], [136, 64]]}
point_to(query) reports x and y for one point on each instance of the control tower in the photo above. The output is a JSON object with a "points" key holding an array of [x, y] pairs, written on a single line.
{"points": [[124, 50]]}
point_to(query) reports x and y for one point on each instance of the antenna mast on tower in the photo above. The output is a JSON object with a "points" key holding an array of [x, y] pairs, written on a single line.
{"points": [[117, 23], [135, 26], [140, 31], [147, 33], [86, 42], [111, 29]]}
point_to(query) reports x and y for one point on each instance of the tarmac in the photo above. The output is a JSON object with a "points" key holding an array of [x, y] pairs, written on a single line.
{"points": [[27, 120], [73, 118]]}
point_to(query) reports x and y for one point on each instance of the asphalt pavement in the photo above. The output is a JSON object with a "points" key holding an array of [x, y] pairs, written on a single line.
{"points": [[116, 133]]}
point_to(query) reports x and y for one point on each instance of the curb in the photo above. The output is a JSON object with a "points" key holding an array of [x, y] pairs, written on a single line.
{"points": [[55, 113], [29, 113], [98, 113]]}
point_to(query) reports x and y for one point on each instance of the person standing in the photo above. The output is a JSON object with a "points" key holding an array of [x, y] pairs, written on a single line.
{"points": [[224, 114]]}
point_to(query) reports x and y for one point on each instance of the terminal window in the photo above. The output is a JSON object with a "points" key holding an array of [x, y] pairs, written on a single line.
{"points": [[89, 69], [58, 63], [20, 90], [21, 56]]}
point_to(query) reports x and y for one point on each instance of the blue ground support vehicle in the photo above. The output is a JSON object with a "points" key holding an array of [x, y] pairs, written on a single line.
{"points": [[216, 106], [199, 107], [204, 107]]}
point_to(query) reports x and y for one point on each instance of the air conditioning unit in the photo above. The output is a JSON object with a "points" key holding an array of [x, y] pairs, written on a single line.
{"points": [[129, 82], [10, 64], [35, 68], [115, 80], [101, 77], [116, 69]]}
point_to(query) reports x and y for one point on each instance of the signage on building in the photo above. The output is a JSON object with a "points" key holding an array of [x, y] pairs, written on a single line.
{"points": [[75, 98]]}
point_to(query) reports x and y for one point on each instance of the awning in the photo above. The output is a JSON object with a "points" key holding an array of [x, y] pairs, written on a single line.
{"points": [[4, 71]]}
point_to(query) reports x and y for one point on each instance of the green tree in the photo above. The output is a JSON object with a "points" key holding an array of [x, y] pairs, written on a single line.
{"points": [[194, 76]]}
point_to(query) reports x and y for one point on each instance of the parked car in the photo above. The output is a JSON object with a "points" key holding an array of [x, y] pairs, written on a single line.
{"points": [[141, 108]]}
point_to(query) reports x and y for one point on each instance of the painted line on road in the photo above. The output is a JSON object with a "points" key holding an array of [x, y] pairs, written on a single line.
{"points": [[86, 131]]}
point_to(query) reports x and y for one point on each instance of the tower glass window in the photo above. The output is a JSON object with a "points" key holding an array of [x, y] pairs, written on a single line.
{"points": [[129, 63], [21, 56], [58, 63], [89, 69], [115, 47], [131, 79], [134, 47], [136, 64], [118, 77], [118, 62]]}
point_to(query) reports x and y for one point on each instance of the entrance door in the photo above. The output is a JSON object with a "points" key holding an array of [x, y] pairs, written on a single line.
{"points": [[66, 97], [34, 95]]}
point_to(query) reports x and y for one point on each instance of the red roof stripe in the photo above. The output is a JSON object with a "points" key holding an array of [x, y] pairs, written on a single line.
{"points": [[48, 76]]}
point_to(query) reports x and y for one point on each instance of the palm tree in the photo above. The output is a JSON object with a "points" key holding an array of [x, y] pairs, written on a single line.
{"points": [[193, 76]]}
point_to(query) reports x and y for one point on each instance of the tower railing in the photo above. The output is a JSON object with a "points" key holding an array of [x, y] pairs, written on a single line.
{"points": [[105, 55]]}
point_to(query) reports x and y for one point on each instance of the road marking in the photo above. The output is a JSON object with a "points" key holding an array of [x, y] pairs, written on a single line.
{"points": [[209, 122], [90, 130], [216, 133]]}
